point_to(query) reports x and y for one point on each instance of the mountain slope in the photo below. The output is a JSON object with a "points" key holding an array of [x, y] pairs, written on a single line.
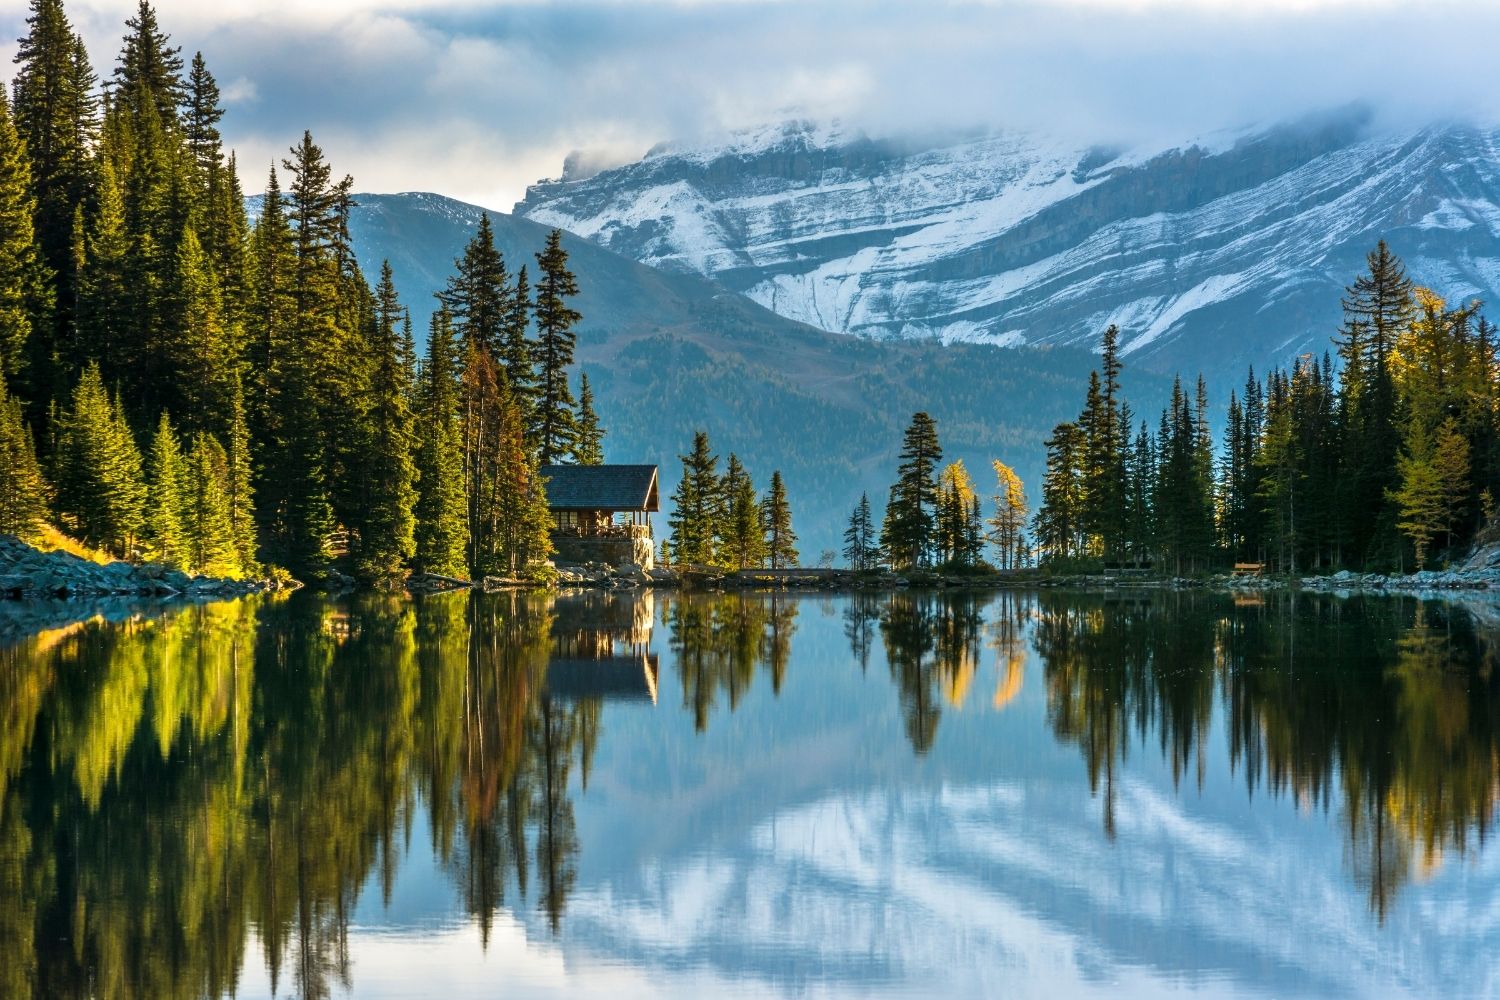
{"points": [[670, 352], [1213, 255]]}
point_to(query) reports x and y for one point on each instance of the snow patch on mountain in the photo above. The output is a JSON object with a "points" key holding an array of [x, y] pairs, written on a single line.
{"points": [[1215, 252]]}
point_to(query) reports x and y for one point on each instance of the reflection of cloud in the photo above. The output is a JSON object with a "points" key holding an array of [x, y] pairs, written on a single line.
{"points": [[979, 890], [497, 94]]}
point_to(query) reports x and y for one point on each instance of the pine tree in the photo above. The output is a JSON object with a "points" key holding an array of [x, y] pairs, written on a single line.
{"points": [[589, 449], [860, 550], [743, 544], [478, 297], [441, 510], [150, 70], [101, 488], [555, 423], [209, 526], [781, 540], [25, 295], [205, 355], [201, 114], [907, 534], [1058, 526], [24, 491], [56, 115], [165, 502], [386, 524], [240, 489], [698, 506]]}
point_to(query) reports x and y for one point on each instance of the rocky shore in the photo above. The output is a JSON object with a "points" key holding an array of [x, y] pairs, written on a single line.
{"points": [[27, 572]]}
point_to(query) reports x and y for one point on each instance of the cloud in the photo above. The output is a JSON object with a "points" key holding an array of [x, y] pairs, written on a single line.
{"points": [[476, 99]]}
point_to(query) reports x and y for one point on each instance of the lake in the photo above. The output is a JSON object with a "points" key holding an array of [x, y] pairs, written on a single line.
{"points": [[608, 794]]}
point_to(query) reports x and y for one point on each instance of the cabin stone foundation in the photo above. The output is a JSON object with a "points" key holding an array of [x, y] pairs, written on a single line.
{"points": [[609, 550]]}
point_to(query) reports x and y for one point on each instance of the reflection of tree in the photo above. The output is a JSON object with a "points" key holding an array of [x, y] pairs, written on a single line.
{"points": [[1007, 635], [861, 613], [168, 784], [932, 648], [1317, 705], [720, 641]]}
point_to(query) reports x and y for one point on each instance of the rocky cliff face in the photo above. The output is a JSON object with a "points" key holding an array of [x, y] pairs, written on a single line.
{"points": [[1214, 254]]}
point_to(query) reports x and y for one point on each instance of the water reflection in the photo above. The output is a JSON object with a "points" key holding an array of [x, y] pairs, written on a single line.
{"points": [[187, 793]]}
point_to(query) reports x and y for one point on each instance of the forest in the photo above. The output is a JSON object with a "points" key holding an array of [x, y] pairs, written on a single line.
{"points": [[1384, 459], [180, 385]]}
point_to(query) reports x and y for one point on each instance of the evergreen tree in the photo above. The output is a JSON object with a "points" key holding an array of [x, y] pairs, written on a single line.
{"points": [[860, 550], [478, 297], [56, 115], [698, 506], [149, 72], [555, 423], [909, 527], [205, 355], [201, 114], [240, 490], [589, 449], [24, 491], [101, 488], [1058, 526], [781, 540], [165, 502], [386, 524], [209, 526], [24, 292], [441, 510], [743, 544]]}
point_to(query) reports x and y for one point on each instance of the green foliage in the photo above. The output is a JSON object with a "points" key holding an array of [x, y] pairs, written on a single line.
{"points": [[555, 425], [25, 299], [442, 507], [386, 524], [24, 491], [743, 545], [166, 498], [781, 540], [698, 506], [907, 536], [589, 448], [860, 548], [101, 492], [208, 522]]}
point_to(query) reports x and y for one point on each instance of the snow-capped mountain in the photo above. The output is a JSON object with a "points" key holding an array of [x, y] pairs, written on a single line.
{"points": [[1215, 253]]}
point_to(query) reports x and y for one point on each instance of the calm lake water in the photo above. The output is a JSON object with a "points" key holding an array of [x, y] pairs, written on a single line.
{"points": [[902, 795]]}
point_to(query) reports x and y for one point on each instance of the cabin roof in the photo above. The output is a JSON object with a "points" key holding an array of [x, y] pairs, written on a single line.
{"points": [[602, 487]]}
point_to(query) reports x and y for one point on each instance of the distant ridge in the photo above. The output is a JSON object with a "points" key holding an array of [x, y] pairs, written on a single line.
{"points": [[1228, 250]]}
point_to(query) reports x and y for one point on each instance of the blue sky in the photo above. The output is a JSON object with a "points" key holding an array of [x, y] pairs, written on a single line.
{"points": [[476, 99]]}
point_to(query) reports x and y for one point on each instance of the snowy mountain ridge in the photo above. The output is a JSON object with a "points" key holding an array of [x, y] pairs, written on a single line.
{"points": [[1228, 250]]}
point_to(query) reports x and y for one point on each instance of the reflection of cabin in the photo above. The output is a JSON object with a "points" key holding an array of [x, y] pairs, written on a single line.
{"points": [[601, 648], [602, 513]]}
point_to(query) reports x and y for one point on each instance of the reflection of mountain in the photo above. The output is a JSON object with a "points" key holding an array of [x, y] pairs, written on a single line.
{"points": [[270, 768]]}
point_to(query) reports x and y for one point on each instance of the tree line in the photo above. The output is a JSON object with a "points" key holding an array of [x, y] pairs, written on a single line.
{"points": [[721, 521], [1379, 460], [177, 383], [934, 517]]}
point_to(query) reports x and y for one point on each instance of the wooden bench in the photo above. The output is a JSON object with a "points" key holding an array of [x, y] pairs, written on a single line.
{"points": [[1249, 569]]}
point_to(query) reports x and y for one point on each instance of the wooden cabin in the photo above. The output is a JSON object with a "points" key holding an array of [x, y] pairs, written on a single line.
{"points": [[602, 513]]}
